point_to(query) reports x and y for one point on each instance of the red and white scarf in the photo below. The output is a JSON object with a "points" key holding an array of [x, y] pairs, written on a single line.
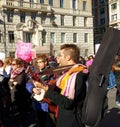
{"points": [[16, 72]]}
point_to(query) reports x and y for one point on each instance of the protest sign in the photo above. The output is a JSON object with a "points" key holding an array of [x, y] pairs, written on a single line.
{"points": [[24, 51]]}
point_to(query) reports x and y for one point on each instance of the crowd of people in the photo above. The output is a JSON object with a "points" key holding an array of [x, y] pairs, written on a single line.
{"points": [[53, 87], [60, 90]]}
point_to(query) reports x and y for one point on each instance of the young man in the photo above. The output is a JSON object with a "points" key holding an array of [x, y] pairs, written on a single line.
{"points": [[41, 108], [72, 85]]}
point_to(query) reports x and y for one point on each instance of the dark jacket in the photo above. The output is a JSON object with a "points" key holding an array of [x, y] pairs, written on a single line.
{"points": [[67, 107], [19, 94]]}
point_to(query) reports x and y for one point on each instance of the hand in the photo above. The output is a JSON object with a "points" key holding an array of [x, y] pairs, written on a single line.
{"points": [[40, 85], [15, 83], [11, 80], [37, 84], [36, 90]]}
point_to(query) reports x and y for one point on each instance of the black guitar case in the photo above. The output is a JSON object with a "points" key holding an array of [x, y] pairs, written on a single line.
{"points": [[98, 77]]}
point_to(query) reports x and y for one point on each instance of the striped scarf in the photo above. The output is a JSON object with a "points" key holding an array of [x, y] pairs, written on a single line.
{"points": [[67, 81], [16, 72]]}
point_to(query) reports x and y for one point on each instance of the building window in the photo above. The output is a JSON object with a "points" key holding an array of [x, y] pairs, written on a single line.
{"points": [[86, 37], [42, 20], [27, 37], [74, 20], [101, 1], [42, 1], [22, 16], [43, 37], [62, 37], [114, 17], [51, 2], [74, 37], [52, 37], [21, 2], [102, 11], [52, 19], [84, 5], [61, 3], [102, 21], [33, 16], [11, 36], [62, 20], [85, 21], [10, 16], [12, 54], [114, 6], [31, 3], [74, 4]]}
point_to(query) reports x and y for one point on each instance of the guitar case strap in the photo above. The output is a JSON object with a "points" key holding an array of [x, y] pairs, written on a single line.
{"points": [[98, 77]]}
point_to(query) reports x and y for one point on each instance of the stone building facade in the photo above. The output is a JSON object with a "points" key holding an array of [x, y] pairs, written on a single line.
{"points": [[46, 22], [114, 14], [101, 19]]}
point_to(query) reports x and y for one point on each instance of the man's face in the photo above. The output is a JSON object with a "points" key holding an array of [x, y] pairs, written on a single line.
{"points": [[41, 64], [62, 58]]}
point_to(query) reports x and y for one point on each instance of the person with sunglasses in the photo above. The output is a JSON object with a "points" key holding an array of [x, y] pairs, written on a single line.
{"points": [[18, 92]]}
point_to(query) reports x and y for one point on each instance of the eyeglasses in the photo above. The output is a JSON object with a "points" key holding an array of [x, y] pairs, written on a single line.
{"points": [[40, 61], [13, 64]]}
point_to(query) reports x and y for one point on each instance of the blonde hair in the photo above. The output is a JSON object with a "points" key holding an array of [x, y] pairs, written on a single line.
{"points": [[7, 60]]}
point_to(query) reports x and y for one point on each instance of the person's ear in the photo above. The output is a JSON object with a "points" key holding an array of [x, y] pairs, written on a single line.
{"points": [[68, 57], [45, 62]]}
